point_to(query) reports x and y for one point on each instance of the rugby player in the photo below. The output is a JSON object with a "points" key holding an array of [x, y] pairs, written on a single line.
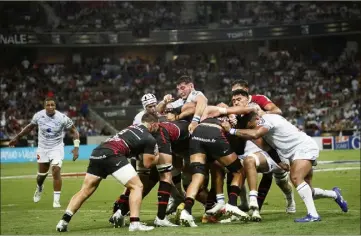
{"points": [[110, 158], [50, 152]]}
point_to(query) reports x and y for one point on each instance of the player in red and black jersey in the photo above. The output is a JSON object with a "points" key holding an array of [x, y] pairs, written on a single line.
{"points": [[111, 158]]}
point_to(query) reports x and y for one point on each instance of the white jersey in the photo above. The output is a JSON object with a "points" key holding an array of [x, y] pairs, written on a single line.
{"points": [[138, 118], [285, 137], [180, 102], [51, 129]]}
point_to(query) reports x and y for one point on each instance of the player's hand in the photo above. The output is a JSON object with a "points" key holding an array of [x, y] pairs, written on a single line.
{"points": [[13, 142], [75, 152], [226, 126], [171, 117], [168, 98], [284, 166], [233, 119], [192, 127]]}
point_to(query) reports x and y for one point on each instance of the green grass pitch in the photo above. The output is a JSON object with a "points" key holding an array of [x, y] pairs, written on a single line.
{"points": [[20, 215]]}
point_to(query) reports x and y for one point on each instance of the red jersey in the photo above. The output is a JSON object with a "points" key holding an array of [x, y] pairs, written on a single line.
{"points": [[261, 100]]}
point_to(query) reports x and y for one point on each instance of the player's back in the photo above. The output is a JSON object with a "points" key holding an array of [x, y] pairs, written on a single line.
{"points": [[131, 140], [282, 135]]}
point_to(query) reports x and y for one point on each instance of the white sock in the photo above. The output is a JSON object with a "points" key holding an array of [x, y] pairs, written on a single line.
{"points": [[243, 196], [320, 193], [305, 193], [253, 193], [57, 196], [69, 212], [220, 198]]}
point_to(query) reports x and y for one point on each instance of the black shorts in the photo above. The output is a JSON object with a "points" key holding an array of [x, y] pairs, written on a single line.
{"points": [[103, 162], [210, 141], [163, 140]]}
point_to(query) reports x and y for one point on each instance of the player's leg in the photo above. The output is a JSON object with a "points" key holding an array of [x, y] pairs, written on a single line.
{"points": [[217, 177], [198, 168], [56, 157], [124, 172], [282, 180], [90, 184], [300, 168], [164, 168], [43, 168], [334, 194]]}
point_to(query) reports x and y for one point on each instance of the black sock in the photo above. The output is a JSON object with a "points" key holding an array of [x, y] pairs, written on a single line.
{"points": [[211, 199], [67, 217], [188, 204], [229, 181], [163, 198], [233, 195], [134, 219], [177, 179], [124, 202], [263, 188]]}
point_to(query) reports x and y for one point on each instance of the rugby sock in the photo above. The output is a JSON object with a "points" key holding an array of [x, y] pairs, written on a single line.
{"points": [[163, 198], [233, 195], [210, 199], [243, 196], [67, 216], [188, 204], [263, 188], [220, 198], [134, 219], [229, 181], [305, 193], [57, 196], [124, 202], [320, 193]]}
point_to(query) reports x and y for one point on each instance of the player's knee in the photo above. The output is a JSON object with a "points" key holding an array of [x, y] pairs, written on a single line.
{"points": [[281, 177], [55, 170], [198, 168], [234, 166], [296, 179], [249, 162]]}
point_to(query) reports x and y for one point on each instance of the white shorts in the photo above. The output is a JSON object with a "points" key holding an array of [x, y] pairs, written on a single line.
{"points": [[309, 151], [53, 156], [124, 174], [272, 165], [251, 147]]}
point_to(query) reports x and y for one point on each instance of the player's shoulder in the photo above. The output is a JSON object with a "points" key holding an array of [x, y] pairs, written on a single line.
{"points": [[258, 97], [60, 115], [138, 117], [40, 113]]}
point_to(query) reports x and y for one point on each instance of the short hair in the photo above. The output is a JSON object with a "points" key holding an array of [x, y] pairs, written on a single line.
{"points": [[240, 82], [184, 79], [247, 118], [47, 99], [150, 118], [240, 92]]}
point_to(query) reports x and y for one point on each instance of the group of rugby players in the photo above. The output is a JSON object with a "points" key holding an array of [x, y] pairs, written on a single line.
{"points": [[187, 143]]}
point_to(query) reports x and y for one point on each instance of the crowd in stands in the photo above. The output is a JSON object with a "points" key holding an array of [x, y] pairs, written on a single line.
{"points": [[308, 90], [156, 15]]}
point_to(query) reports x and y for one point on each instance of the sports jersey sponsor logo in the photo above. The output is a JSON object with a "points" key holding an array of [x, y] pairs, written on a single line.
{"points": [[327, 143], [206, 140]]}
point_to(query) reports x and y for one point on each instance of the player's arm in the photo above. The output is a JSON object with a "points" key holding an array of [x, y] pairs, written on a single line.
{"points": [[248, 134], [188, 111], [201, 104], [27, 129], [163, 104], [76, 137], [271, 108], [266, 104], [236, 110], [151, 153]]}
